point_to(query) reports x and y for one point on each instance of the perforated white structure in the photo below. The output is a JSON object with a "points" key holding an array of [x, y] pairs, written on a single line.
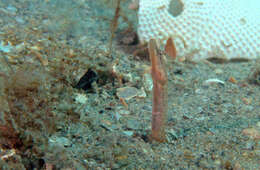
{"points": [[205, 28]]}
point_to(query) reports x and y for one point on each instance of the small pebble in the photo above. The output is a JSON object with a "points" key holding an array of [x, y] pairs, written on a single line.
{"points": [[148, 82], [11, 10], [128, 133], [62, 141], [141, 93], [258, 124], [252, 133], [124, 112], [127, 93], [118, 116], [173, 134], [133, 124], [6, 48], [218, 71]]}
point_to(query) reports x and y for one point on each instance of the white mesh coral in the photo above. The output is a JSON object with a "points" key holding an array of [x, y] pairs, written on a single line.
{"points": [[205, 28]]}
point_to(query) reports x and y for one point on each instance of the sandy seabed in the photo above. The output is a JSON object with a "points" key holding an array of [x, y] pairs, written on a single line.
{"points": [[49, 122]]}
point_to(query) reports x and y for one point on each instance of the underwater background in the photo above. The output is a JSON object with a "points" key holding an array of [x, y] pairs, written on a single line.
{"points": [[76, 93]]}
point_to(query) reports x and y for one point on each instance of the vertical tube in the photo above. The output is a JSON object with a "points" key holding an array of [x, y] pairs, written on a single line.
{"points": [[159, 75]]}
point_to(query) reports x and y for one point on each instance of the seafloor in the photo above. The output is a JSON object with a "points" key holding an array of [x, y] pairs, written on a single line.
{"points": [[50, 121]]}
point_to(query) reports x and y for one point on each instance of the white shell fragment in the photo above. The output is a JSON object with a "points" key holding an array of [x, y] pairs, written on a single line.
{"points": [[213, 81], [204, 29], [81, 98]]}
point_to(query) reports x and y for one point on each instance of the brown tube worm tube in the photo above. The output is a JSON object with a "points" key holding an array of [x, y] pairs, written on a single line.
{"points": [[159, 75]]}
